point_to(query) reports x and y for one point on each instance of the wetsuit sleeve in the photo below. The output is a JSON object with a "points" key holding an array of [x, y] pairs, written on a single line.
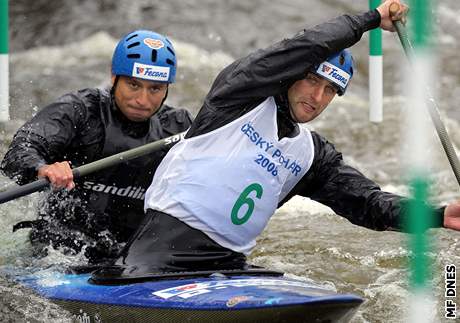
{"points": [[43, 139], [350, 194], [248, 81], [271, 71], [174, 120]]}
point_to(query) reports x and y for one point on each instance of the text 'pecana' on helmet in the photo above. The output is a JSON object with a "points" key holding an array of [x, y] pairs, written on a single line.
{"points": [[337, 69], [147, 55]]}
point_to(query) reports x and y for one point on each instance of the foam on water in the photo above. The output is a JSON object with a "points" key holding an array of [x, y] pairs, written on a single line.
{"points": [[20, 305], [65, 67]]}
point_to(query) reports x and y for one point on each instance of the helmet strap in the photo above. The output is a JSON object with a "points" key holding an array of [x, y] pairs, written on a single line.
{"points": [[164, 99], [112, 90]]}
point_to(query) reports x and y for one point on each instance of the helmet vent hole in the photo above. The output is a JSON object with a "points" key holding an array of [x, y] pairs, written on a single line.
{"points": [[342, 59], [128, 39], [351, 70], [154, 55], [134, 44], [170, 50], [134, 56], [170, 62]]}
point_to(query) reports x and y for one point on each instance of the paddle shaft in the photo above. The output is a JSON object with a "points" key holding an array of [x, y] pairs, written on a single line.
{"points": [[432, 106], [93, 167]]}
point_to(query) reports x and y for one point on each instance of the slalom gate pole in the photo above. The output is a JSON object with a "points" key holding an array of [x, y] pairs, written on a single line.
{"points": [[375, 71], [419, 214], [4, 62]]}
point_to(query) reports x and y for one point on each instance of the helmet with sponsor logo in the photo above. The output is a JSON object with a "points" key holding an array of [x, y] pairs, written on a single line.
{"points": [[147, 55], [337, 69]]}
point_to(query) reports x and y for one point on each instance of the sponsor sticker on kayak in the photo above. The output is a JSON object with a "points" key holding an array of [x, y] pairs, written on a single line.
{"points": [[236, 300], [190, 290]]}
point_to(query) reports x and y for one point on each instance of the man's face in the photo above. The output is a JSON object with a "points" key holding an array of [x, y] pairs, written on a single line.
{"points": [[138, 99], [309, 97]]}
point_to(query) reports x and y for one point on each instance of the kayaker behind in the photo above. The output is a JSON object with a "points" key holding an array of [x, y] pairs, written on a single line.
{"points": [[97, 214]]}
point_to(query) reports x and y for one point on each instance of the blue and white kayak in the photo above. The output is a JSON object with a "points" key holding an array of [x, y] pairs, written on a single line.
{"points": [[213, 298]]}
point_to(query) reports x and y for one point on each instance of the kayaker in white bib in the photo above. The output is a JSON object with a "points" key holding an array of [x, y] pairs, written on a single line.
{"points": [[246, 154]]}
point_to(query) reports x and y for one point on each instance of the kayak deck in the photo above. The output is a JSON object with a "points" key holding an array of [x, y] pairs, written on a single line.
{"points": [[207, 299]]}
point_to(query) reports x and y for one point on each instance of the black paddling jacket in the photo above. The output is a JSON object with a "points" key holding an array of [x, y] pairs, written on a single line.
{"points": [[83, 127], [245, 83]]}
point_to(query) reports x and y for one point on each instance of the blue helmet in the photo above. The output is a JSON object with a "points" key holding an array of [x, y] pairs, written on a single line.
{"points": [[337, 69], [147, 55]]}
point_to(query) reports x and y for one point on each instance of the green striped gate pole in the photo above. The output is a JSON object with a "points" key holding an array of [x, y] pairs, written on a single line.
{"points": [[4, 66], [375, 71], [419, 215]]}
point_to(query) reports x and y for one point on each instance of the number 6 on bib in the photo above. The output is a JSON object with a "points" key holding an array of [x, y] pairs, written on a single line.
{"points": [[244, 199]]}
